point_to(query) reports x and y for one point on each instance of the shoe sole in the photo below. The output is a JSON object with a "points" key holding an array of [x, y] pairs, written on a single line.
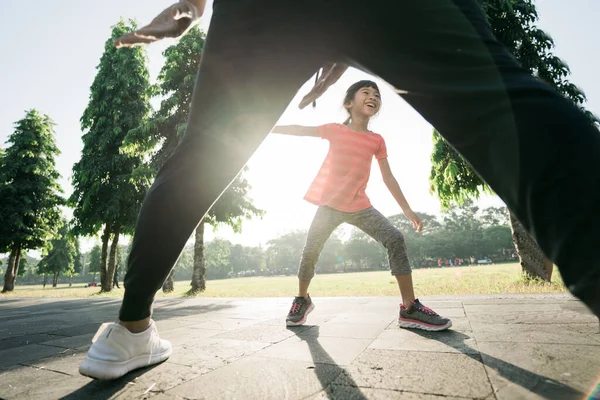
{"points": [[414, 324], [107, 370], [303, 320]]}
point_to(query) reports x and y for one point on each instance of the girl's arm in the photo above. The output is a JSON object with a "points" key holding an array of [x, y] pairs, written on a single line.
{"points": [[394, 188], [297, 130]]}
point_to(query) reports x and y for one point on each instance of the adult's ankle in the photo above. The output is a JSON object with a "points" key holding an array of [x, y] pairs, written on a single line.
{"points": [[136, 326]]}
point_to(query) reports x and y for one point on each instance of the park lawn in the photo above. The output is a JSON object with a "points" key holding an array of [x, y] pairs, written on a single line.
{"points": [[492, 279]]}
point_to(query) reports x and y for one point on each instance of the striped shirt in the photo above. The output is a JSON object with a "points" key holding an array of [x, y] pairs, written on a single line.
{"points": [[343, 177]]}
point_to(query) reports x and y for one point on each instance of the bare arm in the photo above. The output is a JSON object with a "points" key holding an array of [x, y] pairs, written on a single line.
{"points": [[172, 22], [297, 130], [394, 188]]}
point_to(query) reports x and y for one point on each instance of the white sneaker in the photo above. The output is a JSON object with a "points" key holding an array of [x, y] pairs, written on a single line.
{"points": [[118, 351]]}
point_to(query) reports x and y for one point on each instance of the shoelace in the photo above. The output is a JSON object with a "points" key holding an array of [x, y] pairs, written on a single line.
{"points": [[425, 309], [295, 308]]}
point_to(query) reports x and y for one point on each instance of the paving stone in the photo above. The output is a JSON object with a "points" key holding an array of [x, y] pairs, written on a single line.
{"points": [[341, 392], [344, 330], [67, 362], [76, 330], [592, 330], [531, 370], [327, 350], [444, 374], [501, 315], [222, 323], [263, 333], [528, 333], [368, 318], [260, 378], [166, 325], [414, 340], [18, 341], [75, 342], [212, 353], [26, 353], [38, 384], [507, 308], [186, 335], [314, 319]]}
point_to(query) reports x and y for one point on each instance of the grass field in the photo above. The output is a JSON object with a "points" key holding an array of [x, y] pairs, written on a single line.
{"points": [[505, 278]]}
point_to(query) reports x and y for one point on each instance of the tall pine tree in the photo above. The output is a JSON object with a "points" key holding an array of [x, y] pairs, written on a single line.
{"points": [[105, 196], [29, 189]]}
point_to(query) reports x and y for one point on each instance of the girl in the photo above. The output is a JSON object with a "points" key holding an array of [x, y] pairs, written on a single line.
{"points": [[339, 191]]}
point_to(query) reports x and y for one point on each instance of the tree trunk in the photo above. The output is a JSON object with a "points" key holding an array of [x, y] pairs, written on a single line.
{"points": [[45, 280], [104, 277], [12, 269], [533, 261], [169, 285], [198, 276], [112, 260], [70, 280], [55, 279]]}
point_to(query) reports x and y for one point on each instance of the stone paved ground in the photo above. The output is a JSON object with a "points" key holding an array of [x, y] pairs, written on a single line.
{"points": [[508, 347]]}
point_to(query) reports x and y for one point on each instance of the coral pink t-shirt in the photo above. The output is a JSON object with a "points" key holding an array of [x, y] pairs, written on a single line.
{"points": [[343, 177]]}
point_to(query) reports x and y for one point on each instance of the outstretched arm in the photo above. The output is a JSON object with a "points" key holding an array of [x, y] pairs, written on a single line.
{"points": [[297, 130], [394, 188], [172, 22]]}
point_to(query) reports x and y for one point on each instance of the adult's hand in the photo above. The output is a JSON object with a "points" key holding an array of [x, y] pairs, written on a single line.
{"points": [[172, 22], [331, 73]]}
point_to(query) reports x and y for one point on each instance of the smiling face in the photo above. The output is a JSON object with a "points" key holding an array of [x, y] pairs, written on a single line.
{"points": [[366, 102]]}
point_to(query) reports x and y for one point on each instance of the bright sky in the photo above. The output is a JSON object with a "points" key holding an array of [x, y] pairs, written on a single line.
{"points": [[49, 64]]}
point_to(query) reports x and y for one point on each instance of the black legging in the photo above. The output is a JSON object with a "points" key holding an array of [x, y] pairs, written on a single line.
{"points": [[535, 149]]}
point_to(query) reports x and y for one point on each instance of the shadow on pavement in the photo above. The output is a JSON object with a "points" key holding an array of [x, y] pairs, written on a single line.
{"points": [[106, 389], [545, 387], [321, 359]]}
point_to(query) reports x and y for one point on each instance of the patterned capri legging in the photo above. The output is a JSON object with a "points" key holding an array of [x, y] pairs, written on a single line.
{"points": [[370, 221]]}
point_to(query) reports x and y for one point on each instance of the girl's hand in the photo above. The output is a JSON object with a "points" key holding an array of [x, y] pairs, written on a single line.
{"points": [[172, 22], [417, 224]]}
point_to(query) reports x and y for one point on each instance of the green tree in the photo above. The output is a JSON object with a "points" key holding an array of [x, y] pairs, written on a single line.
{"points": [[217, 256], [95, 261], [61, 257], [364, 252], [29, 189], [105, 196], [452, 179], [284, 252]]}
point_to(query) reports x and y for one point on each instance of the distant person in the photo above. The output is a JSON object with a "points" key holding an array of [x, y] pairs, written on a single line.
{"points": [[440, 56], [116, 279], [339, 191]]}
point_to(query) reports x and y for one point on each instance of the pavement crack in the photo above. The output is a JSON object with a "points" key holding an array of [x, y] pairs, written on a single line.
{"points": [[45, 369]]}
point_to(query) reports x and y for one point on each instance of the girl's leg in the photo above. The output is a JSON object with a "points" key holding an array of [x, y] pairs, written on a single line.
{"points": [[326, 220], [374, 224], [407, 290], [412, 313]]}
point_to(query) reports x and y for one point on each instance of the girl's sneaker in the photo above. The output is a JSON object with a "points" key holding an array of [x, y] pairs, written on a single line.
{"points": [[301, 307], [118, 351], [420, 317]]}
